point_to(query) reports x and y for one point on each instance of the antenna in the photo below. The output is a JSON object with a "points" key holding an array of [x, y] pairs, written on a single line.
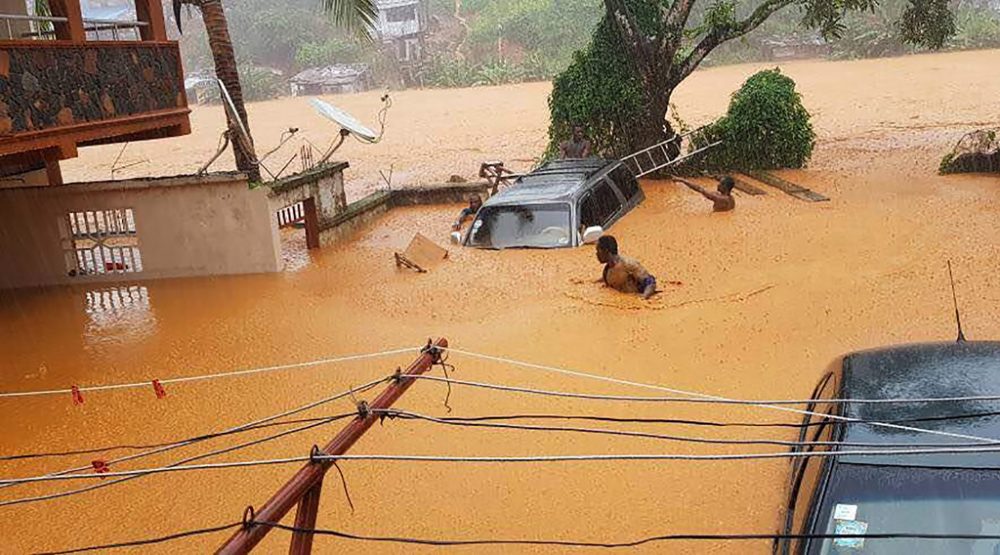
{"points": [[954, 298]]}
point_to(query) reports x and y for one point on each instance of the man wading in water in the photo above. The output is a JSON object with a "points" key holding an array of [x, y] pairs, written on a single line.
{"points": [[577, 147], [621, 272], [722, 201]]}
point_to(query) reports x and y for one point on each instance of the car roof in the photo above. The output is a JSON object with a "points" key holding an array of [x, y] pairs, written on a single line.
{"points": [[556, 181], [928, 371]]}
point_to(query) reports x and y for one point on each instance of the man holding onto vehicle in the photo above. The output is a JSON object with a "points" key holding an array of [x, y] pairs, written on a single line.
{"points": [[475, 203], [621, 272], [577, 147], [723, 200]]}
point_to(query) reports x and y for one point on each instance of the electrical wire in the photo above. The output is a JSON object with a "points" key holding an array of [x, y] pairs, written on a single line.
{"points": [[291, 412], [134, 447], [631, 543], [405, 415], [696, 394], [552, 543], [151, 541], [509, 459], [244, 372], [179, 463]]}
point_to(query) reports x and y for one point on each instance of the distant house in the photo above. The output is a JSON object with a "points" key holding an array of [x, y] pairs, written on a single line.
{"points": [[335, 79], [796, 48], [402, 24]]}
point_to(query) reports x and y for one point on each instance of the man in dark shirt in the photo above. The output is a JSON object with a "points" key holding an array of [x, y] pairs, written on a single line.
{"points": [[475, 203], [621, 272], [577, 147]]}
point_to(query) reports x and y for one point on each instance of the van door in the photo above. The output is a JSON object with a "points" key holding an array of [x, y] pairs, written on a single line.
{"points": [[628, 186]]}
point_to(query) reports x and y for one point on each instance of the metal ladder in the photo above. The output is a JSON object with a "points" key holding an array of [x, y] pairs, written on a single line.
{"points": [[657, 157]]}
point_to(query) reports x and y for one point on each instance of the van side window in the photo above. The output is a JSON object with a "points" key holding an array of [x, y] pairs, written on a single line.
{"points": [[625, 181], [608, 204]]}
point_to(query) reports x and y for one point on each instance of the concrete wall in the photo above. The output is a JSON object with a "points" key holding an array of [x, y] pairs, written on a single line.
{"points": [[186, 226], [324, 184]]}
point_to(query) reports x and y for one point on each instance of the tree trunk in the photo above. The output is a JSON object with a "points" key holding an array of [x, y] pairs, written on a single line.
{"points": [[652, 127], [226, 69]]}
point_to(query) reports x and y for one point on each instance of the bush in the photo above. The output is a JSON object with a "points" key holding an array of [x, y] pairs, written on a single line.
{"points": [[766, 127]]}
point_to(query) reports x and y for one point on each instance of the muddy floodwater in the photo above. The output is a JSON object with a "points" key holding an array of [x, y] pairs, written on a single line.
{"points": [[769, 295]]}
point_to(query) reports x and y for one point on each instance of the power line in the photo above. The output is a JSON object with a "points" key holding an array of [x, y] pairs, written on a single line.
{"points": [[552, 543], [696, 394], [244, 372], [303, 408], [172, 465], [405, 415], [138, 543], [510, 459], [124, 447], [631, 543]]}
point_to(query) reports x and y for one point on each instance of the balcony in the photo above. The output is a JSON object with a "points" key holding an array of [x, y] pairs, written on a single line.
{"points": [[66, 81]]}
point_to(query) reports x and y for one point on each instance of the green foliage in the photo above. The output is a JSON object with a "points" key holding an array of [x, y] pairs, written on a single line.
{"points": [[927, 23], [600, 91], [258, 83], [444, 71], [766, 127]]}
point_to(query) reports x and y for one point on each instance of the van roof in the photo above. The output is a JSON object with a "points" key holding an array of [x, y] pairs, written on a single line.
{"points": [[556, 181]]}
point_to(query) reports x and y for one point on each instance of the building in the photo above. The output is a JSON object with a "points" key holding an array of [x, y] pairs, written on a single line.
{"points": [[64, 89], [335, 79], [402, 28]]}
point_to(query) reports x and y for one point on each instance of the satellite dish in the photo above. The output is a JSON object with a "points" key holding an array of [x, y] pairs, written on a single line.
{"points": [[344, 120], [242, 134]]}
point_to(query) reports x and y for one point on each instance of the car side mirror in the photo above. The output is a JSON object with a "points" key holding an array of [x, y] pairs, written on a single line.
{"points": [[456, 237], [592, 234]]}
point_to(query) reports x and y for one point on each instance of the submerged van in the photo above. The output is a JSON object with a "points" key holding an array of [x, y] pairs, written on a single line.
{"points": [[564, 203]]}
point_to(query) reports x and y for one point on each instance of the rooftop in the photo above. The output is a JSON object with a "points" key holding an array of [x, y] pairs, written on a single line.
{"points": [[559, 181]]}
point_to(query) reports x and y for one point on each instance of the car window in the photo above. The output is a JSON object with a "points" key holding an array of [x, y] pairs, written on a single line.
{"points": [[625, 181], [599, 206]]}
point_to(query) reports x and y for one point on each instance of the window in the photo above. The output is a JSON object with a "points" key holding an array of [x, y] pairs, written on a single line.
{"points": [[625, 181], [400, 14], [99, 242], [600, 206], [532, 226]]}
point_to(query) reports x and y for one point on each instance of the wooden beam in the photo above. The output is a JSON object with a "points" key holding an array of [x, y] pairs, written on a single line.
{"points": [[72, 30], [151, 12]]}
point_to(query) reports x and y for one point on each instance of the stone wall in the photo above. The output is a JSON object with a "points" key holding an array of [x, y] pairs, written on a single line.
{"points": [[44, 86]]}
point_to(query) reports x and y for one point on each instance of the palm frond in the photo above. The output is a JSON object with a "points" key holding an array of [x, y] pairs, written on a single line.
{"points": [[357, 17]]}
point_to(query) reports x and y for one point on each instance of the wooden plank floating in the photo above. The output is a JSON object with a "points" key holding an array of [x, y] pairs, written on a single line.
{"points": [[788, 187], [746, 186]]}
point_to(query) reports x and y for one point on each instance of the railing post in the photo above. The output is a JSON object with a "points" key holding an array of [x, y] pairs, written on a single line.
{"points": [[301, 485], [151, 13]]}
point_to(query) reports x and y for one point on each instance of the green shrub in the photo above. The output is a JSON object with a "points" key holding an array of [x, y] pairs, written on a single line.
{"points": [[766, 127]]}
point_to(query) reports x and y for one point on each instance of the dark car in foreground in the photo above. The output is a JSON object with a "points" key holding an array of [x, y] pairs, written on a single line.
{"points": [[935, 493], [563, 203]]}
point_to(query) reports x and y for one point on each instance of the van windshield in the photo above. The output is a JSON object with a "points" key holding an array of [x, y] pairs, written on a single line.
{"points": [[542, 226]]}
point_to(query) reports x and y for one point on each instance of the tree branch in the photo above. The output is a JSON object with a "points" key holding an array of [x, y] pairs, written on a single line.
{"points": [[631, 33], [716, 37]]}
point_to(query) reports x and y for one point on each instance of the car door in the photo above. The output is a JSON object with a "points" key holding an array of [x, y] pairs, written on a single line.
{"points": [[602, 205]]}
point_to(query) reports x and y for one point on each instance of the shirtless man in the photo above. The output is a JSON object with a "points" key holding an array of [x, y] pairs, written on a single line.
{"points": [[723, 200], [475, 203], [621, 272], [577, 147]]}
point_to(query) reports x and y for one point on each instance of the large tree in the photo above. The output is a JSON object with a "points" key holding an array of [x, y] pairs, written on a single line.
{"points": [[354, 15], [653, 45]]}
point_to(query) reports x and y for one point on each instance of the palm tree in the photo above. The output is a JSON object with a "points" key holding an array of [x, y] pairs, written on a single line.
{"points": [[356, 16]]}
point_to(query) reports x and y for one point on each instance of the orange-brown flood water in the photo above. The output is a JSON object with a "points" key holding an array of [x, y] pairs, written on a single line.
{"points": [[770, 294]]}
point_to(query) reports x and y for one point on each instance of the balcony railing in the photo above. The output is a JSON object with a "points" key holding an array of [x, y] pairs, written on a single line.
{"points": [[43, 28]]}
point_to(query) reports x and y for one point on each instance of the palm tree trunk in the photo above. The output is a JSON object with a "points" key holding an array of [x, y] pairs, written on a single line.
{"points": [[225, 68]]}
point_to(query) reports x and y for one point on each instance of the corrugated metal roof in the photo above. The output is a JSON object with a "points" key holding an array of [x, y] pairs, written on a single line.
{"points": [[337, 74]]}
